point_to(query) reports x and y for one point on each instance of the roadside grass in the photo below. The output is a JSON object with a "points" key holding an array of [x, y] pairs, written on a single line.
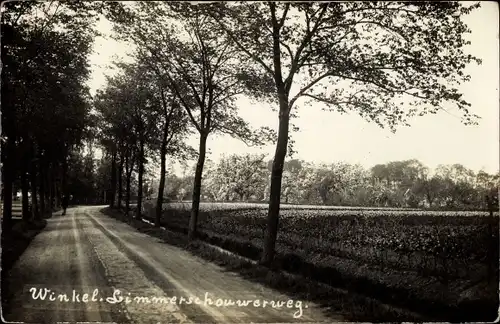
{"points": [[17, 239], [14, 242], [351, 305]]}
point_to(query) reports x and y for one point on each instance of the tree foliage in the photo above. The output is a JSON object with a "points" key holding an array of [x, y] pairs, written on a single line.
{"points": [[388, 61], [404, 184], [241, 177], [201, 69]]}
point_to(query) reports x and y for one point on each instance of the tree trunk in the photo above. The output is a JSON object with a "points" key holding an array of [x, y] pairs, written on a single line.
{"points": [[25, 199], [51, 190], [65, 177], [46, 185], [41, 173], [113, 181], [161, 186], [34, 183], [127, 195], [8, 154], [129, 168], [138, 214], [56, 185], [120, 181], [195, 207], [50, 186], [8, 173], [276, 177], [57, 192], [430, 200], [127, 183], [34, 191]]}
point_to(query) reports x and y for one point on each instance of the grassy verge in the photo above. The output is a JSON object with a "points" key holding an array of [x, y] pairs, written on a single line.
{"points": [[351, 305], [14, 243]]}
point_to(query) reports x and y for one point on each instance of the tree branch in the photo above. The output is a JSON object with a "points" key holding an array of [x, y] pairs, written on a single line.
{"points": [[379, 8], [246, 51], [234, 133], [327, 101], [188, 80], [177, 92], [307, 39], [217, 102], [394, 31], [379, 85], [172, 82], [309, 86], [289, 50], [179, 66], [205, 66], [283, 17], [278, 75], [219, 61]]}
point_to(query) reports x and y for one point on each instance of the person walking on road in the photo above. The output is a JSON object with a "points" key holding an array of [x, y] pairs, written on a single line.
{"points": [[64, 204]]}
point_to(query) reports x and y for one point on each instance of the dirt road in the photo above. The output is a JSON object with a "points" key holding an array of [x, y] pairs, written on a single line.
{"points": [[87, 267]]}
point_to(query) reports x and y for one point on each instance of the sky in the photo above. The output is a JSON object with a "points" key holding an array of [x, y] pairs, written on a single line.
{"points": [[326, 137]]}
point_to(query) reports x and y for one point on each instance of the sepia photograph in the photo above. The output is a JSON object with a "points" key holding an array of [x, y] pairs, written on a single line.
{"points": [[249, 161]]}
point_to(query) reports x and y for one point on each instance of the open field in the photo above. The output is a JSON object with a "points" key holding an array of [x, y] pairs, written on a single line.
{"points": [[214, 206], [426, 234], [441, 259], [241, 205]]}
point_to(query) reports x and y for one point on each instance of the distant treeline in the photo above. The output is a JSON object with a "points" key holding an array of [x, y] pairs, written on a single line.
{"points": [[247, 177], [394, 184]]}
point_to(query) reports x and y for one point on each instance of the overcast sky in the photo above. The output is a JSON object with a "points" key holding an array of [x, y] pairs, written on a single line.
{"points": [[326, 137]]}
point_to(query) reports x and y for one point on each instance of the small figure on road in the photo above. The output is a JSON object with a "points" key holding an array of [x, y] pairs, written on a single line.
{"points": [[64, 204]]}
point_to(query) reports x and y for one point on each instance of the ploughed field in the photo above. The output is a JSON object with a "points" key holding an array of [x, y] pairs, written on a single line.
{"points": [[440, 259], [430, 241]]}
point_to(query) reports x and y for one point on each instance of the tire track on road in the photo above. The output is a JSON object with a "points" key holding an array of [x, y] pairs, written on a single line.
{"points": [[127, 277], [188, 275], [117, 311], [196, 313], [38, 268], [62, 260]]}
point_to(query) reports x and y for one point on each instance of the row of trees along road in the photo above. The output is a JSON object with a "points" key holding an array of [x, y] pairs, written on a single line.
{"points": [[395, 184], [387, 61], [45, 100], [192, 62]]}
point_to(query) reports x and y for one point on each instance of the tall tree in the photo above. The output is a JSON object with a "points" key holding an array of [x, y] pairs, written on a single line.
{"points": [[130, 100], [174, 129], [199, 66], [388, 61]]}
